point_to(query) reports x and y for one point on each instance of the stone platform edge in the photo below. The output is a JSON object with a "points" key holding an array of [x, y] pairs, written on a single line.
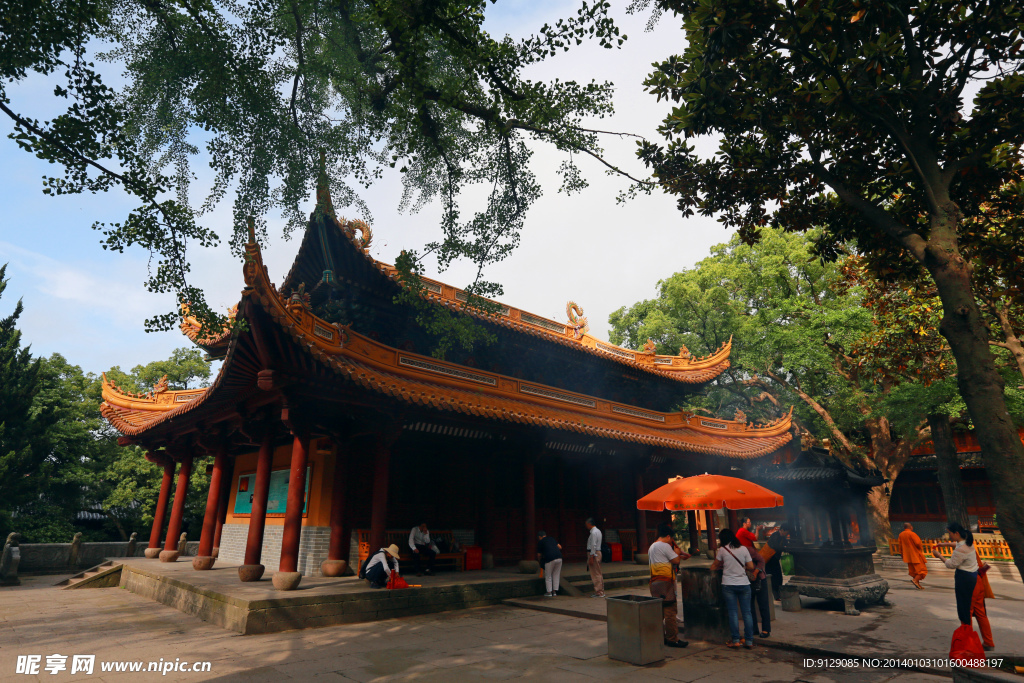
{"points": [[315, 611]]}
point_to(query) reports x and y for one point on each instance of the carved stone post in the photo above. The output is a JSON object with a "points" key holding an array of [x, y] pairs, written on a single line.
{"points": [[170, 552]]}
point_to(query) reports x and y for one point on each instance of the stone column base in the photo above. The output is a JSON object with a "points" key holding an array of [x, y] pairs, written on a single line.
{"points": [[250, 572], [203, 562], [529, 566], [286, 581], [152, 553], [169, 555], [216, 553], [333, 568]]}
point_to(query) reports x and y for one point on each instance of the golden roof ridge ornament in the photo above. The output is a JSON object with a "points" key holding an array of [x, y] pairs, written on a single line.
{"points": [[577, 321]]}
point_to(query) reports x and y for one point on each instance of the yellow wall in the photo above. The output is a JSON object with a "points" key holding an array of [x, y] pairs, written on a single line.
{"points": [[318, 511]]}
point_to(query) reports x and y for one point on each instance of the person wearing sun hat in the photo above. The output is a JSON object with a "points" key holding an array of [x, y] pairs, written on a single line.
{"points": [[379, 568]]}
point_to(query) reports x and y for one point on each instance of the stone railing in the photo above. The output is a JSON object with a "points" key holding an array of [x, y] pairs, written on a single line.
{"points": [[69, 558], [987, 550]]}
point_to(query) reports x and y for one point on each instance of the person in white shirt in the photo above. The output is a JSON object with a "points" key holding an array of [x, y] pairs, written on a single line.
{"points": [[734, 560], [965, 561], [594, 558], [422, 547], [664, 556], [378, 569]]}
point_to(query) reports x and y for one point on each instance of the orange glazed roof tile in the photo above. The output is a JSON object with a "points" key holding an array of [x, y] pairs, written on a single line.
{"points": [[425, 381]]}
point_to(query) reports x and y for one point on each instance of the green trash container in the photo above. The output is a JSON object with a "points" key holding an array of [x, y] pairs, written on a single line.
{"points": [[787, 565]]}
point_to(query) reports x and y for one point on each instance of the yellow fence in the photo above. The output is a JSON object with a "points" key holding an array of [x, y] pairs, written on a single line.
{"points": [[987, 550]]}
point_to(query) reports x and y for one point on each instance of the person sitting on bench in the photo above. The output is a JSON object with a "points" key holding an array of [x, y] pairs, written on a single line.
{"points": [[422, 547], [378, 569]]}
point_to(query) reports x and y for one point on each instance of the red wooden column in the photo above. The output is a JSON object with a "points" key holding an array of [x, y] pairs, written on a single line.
{"points": [[251, 569], [641, 516], [161, 503], [288, 576], [222, 508], [379, 505], [529, 516], [691, 523], [204, 557], [734, 520], [170, 551], [709, 515], [338, 548]]}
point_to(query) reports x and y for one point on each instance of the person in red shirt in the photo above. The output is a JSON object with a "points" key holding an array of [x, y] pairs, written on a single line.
{"points": [[745, 535]]}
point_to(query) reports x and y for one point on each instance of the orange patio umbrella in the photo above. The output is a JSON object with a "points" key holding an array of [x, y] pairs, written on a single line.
{"points": [[709, 492]]}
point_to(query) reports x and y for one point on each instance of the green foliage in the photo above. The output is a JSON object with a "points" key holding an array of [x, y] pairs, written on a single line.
{"points": [[842, 115], [793, 322], [266, 87], [82, 468], [25, 423]]}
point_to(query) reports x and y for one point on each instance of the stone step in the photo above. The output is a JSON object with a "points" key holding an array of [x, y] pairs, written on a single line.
{"points": [[612, 584], [104, 575]]}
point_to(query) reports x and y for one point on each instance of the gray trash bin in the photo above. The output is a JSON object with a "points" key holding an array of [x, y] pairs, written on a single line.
{"points": [[634, 629]]}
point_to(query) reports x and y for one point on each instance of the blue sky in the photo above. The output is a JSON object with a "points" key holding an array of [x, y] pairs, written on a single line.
{"points": [[89, 304]]}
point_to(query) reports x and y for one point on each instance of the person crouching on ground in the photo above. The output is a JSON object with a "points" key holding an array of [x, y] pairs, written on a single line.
{"points": [[380, 566], [664, 556], [594, 541], [912, 551], [549, 554], [734, 561], [964, 561], [422, 547]]}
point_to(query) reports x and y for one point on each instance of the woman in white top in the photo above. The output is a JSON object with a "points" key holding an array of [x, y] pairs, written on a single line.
{"points": [[734, 561], [965, 561]]}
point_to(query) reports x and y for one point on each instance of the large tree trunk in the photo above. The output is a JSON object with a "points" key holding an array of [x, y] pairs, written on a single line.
{"points": [[980, 383], [878, 514], [1012, 343], [889, 456], [950, 481]]}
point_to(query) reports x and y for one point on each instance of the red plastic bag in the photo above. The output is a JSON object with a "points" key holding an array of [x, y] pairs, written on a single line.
{"points": [[966, 648], [396, 581]]}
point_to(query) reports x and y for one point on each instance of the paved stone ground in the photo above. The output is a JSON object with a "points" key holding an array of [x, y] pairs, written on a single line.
{"points": [[919, 623], [481, 644]]}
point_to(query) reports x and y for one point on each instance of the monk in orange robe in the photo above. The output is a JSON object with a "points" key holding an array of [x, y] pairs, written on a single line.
{"points": [[982, 590], [913, 554]]}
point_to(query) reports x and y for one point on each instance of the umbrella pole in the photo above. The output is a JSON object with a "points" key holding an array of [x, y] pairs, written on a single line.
{"points": [[712, 541], [691, 523]]}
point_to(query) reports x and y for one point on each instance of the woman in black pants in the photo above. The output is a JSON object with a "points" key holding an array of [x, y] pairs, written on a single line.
{"points": [[965, 561]]}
